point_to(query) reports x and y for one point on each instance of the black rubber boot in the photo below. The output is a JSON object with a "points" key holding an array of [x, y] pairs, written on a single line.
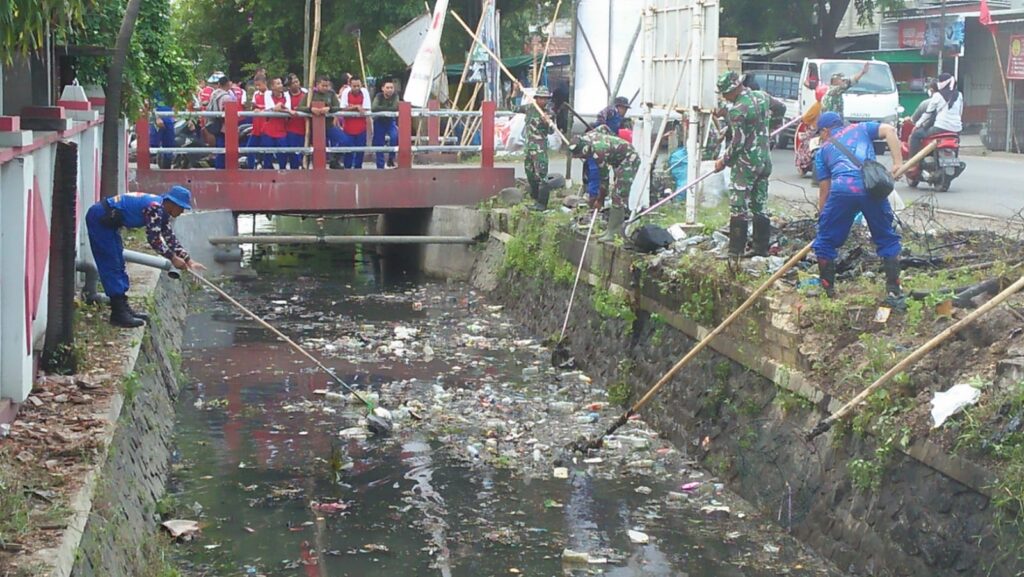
{"points": [[135, 313], [534, 192], [737, 236], [762, 234], [827, 276], [543, 196], [121, 316], [893, 291]]}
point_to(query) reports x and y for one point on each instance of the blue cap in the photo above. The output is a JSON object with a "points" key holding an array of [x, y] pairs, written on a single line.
{"points": [[829, 120], [180, 196]]}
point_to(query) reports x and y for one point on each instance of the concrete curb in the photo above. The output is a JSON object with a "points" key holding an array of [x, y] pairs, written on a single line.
{"points": [[60, 560]]}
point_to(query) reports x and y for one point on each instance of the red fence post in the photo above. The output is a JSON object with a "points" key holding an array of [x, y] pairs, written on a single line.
{"points": [[142, 143], [487, 134], [320, 140], [433, 124], [231, 135], [404, 135]]}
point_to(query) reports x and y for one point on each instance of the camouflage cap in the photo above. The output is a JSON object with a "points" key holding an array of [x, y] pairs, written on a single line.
{"points": [[728, 82], [542, 92], [621, 101]]}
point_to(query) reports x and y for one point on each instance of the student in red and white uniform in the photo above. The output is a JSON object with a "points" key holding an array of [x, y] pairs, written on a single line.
{"points": [[259, 99], [355, 98], [275, 129], [296, 125]]}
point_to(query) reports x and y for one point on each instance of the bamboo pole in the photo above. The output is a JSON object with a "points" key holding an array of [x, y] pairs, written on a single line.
{"points": [[359, 48], [915, 356], [312, 74], [700, 346], [512, 77], [465, 67], [547, 45], [1006, 89]]}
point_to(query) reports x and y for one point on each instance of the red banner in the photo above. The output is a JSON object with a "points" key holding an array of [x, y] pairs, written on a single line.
{"points": [[1015, 63]]}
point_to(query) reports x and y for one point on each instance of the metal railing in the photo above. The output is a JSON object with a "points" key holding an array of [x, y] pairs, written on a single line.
{"points": [[407, 146]]}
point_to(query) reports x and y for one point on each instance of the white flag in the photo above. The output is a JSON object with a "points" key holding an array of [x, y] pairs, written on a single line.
{"points": [[422, 76]]}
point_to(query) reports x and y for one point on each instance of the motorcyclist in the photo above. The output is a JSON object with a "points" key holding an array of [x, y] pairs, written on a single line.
{"points": [[944, 110]]}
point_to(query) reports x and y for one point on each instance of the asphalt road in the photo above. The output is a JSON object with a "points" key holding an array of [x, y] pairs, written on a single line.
{"points": [[991, 185]]}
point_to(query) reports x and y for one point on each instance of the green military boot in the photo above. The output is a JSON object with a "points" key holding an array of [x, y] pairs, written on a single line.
{"points": [[616, 217]]}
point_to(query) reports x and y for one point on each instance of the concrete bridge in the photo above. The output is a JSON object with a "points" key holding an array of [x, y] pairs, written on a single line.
{"points": [[322, 189]]}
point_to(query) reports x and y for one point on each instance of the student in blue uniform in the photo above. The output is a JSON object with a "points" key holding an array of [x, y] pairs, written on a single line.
{"points": [[135, 210]]}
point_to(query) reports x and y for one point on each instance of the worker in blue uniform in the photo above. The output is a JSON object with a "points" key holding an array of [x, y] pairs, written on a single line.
{"points": [[135, 210]]}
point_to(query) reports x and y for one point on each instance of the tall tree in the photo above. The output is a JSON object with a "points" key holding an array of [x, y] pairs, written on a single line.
{"points": [[25, 23], [112, 107], [815, 20]]}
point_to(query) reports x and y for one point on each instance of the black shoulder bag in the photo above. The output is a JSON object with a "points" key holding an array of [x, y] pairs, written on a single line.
{"points": [[877, 179]]}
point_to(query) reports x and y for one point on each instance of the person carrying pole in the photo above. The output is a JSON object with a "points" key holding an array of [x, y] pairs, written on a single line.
{"points": [[611, 153], [842, 194], [135, 210], [749, 155], [538, 128]]}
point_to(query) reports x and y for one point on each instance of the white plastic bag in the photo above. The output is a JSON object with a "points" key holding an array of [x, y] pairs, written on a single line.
{"points": [[515, 133], [554, 142], [716, 187], [948, 403]]}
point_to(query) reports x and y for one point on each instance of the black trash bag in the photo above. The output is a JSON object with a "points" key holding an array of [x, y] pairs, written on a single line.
{"points": [[651, 238]]}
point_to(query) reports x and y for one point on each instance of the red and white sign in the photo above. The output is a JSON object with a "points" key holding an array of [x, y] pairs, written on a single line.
{"points": [[1015, 63], [912, 33]]}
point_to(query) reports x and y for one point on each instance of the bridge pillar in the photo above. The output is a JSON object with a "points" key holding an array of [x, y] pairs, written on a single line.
{"points": [[404, 135], [487, 134], [231, 135]]}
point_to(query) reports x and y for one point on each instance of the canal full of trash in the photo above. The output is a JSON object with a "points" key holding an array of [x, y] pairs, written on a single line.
{"points": [[276, 463]]}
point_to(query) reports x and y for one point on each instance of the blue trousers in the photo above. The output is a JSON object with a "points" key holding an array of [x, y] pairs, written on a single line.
{"points": [[385, 128], [218, 162], [253, 159], [837, 218], [291, 139], [335, 137], [164, 138], [354, 159], [593, 177], [107, 251], [268, 159]]}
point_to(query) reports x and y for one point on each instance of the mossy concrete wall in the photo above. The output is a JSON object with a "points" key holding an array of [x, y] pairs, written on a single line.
{"points": [[742, 408]]}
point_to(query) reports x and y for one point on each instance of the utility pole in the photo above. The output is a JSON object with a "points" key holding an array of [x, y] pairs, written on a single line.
{"points": [[942, 36]]}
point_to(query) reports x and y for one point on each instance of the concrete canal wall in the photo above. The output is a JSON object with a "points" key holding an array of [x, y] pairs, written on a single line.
{"points": [[741, 411]]}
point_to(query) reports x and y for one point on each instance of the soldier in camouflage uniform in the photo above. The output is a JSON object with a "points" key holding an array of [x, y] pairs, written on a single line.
{"points": [[749, 156], [611, 153], [838, 86], [538, 128]]}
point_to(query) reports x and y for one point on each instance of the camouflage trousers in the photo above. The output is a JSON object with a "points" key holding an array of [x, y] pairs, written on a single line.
{"points": [[536, 164], [749, 191], [624, 175]]}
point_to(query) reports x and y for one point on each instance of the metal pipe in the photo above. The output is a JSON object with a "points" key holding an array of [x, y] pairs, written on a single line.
{"points": [[92, 278], [151, 261], [356, 239]]}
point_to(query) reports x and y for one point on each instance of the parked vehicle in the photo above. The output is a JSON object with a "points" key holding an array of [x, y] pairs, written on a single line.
{"points": [[784, 85], [939, 168], [874, 98]]}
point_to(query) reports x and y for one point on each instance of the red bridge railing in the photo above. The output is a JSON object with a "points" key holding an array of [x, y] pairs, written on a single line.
{"points": [[318, 151]]}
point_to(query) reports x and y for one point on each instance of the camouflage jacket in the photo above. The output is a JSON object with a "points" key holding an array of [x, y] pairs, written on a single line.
{"points": [[537, 129], [833, 99], [604, 147], [749, 120]]}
